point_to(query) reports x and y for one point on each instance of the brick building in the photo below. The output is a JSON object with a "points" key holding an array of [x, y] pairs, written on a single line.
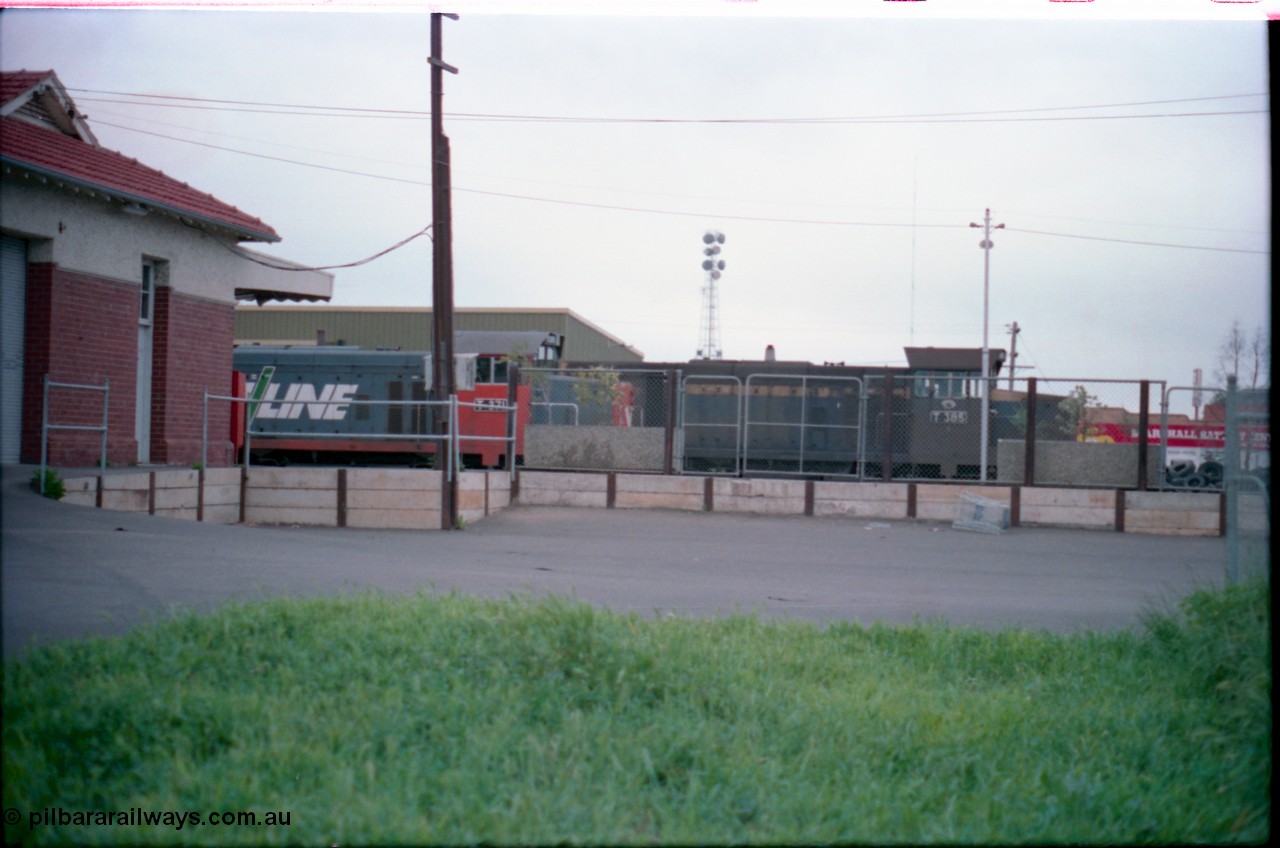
{"points": [[113, 273]]}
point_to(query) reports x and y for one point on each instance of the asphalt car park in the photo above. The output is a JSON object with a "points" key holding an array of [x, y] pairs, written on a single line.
{"points": [[71, 571]]}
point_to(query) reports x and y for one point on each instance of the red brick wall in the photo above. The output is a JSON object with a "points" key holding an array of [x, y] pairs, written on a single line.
{"points": [[191, 353], [84, 329], [80, 329]]}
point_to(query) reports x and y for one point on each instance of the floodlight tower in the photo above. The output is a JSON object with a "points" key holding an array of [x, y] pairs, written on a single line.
{"points": [[709, 327]]}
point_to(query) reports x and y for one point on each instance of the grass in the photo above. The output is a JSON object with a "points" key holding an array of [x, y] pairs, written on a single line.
{"points": [[394, 720]]}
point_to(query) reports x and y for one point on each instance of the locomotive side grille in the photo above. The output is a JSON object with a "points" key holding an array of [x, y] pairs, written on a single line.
{"points": [[395, 414], [420, 416]]}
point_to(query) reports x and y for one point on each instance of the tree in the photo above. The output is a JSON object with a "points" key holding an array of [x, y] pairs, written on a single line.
{"points": [[1073, 412], [1246, 356], [597, 391]]}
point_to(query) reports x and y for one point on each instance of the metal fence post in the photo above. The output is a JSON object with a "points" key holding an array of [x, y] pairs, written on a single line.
{"points": [[204, 434], [886, 437], [106, 408], [669, 424], [1230, 482], [862, 429], [1164, 432], [1029, 440], [44, 435], [1144, 420]]}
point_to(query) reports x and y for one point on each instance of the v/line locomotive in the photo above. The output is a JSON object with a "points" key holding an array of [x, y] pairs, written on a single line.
{"points": [[334, 404], [733, 417]]}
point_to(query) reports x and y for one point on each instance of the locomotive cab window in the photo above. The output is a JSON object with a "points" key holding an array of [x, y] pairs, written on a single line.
{"points": [[491, 369], [942, 384]]}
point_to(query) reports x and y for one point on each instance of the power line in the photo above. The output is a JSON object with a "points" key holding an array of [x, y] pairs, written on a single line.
{"points": [[928, 117], [1143, 243], [265, 260], [265, 156], [855, 120], [615, 189], [703, 215], [525, 196], [321, 151]]}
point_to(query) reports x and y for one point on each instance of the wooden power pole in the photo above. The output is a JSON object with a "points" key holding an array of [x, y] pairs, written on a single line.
{"points": [[442, 378]]}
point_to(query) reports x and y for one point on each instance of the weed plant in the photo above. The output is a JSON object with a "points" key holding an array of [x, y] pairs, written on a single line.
{"points": [[53, 486], [415, 720]]}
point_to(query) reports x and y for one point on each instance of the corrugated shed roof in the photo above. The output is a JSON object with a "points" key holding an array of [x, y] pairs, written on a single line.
{"points": [[503, 342], [51, 154]]}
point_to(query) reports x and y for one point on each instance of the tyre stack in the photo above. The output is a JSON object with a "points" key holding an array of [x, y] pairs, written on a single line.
{"points": [[1185, 474]]}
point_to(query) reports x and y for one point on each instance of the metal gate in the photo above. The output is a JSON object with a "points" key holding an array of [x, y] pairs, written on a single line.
{"points": [[710, 432], [802, 424]]}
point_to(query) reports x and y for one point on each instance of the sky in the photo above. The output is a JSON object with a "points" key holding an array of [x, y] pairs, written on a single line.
{"points": [[843, 157]]}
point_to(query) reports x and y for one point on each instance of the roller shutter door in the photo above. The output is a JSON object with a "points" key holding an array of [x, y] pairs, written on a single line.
{"points": [[13, 313]]}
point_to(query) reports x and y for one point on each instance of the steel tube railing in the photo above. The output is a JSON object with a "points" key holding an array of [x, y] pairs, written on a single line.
{"points": [[45, 426]]}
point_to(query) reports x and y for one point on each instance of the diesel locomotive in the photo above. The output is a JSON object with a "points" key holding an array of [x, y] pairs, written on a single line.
{"points": [[323, 404]]}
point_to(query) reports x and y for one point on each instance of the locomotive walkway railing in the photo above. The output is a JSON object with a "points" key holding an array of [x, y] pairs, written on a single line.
{"points": [[45, 426]]}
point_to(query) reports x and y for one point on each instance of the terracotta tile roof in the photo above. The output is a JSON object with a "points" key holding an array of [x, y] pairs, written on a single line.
{"points": [[14, 83], [52, 154]]}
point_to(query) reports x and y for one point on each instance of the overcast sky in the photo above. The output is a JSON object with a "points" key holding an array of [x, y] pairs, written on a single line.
{"points": [[846, 217]]}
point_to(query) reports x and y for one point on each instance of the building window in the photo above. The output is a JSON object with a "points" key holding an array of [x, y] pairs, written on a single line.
{"points": [[155, 273], [147, 302]]}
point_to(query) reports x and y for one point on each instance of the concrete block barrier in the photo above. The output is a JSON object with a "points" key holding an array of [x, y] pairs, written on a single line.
{"points": [[652, 491], [860, 500], [408, 498]]}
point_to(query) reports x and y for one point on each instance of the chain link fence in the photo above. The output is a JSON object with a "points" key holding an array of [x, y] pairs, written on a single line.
{"points": [[598, 419], [1041, 431], [1085, 432], [926, 427], [1247, 479]]}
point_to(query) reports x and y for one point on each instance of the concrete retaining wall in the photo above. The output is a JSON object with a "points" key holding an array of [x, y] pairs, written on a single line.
{"points": [[302, 496], [1172, 513], [391, 498], [550, 488], [765, 497], [652, 491], [222, 495], [1088, 508], [405, 498], [860, 500]]}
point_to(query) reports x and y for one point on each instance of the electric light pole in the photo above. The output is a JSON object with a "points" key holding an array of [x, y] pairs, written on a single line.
{"points": [[986, 246]]}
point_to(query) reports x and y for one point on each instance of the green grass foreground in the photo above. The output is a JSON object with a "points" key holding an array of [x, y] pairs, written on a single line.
{"points": [[394, 720]]}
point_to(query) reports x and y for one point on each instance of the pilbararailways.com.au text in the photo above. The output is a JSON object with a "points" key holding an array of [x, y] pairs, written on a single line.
{"points": [[138, 817]]}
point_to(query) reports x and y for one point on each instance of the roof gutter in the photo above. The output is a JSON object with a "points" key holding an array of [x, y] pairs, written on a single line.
{"points": [[126, 197]]}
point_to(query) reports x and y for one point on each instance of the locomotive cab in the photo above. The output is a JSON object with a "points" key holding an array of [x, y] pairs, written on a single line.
{"points": [[946, 411]]}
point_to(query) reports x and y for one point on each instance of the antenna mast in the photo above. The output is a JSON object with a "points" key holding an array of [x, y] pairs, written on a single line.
{"points": [[709, 326]]}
